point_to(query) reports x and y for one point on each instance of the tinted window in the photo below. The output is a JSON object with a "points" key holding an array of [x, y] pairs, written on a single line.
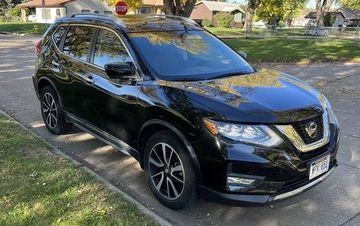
{"points": [[77, 42], [109, 49], [59, 34], [188, 55]]}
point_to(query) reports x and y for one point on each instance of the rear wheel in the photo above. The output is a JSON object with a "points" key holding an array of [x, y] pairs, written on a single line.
{"points": [[52, 113], [169, 171]]}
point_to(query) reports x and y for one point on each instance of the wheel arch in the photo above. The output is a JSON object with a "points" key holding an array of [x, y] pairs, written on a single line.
{"points": [[43, 82], [155, 125]]}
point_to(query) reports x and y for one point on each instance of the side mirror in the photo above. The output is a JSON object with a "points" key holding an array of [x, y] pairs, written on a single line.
{"points": [[121, 71], [242, 54]]}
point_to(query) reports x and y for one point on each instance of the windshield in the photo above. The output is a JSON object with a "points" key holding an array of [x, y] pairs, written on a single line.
{"points": [[188, 55]]}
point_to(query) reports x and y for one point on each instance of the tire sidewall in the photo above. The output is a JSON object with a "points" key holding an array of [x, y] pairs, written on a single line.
{"points": [[61, 123], [189, 193]]}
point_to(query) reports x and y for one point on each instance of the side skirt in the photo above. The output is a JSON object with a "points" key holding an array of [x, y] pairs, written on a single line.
{"points": [[103, 136]]}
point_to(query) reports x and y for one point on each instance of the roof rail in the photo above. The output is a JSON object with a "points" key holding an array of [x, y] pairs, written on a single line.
{"points": [[89, 14], [102, 16]]}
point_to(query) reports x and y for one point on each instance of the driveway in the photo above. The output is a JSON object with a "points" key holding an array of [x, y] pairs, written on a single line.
{"points": [[336, 201]]}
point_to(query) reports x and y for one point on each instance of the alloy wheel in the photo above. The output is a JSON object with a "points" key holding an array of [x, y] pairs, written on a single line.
{"points": [[166, 171], [49, 110]]}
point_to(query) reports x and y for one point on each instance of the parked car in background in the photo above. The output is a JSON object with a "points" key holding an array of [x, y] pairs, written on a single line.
{"points": [[260, 24], [191, 110], [316, 31]]}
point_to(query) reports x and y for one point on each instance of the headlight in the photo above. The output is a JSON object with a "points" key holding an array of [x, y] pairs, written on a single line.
{"points": [[255, 134], [327, 107], [332, 117]]}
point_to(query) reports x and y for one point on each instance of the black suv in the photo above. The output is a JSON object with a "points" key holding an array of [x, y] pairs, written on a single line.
{"points": [[197, 117]]}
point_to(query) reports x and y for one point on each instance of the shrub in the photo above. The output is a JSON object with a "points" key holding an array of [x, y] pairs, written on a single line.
{"points": [[206, 23], [224, 19], [14, 12]]}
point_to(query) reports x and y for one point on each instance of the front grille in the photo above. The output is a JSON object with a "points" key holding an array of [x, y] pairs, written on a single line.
{"points": [[300, 128]]}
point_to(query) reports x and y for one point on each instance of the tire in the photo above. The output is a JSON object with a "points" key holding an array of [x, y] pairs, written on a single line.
{"points": [[164, 175], [52, 114]]}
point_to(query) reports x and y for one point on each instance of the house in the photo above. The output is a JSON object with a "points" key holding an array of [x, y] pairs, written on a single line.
{"points": [[150, 7], [349, 17], [343, 17], [54, 9], [208, 9]]}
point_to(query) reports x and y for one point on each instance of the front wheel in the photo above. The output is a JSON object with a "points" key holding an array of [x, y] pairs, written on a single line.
{"points": [[169, 171]]}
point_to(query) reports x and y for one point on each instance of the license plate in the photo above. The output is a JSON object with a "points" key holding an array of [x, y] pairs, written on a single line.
{"points": [[319, 167]]}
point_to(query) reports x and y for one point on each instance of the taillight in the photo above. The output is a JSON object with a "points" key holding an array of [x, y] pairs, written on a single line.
{"points": [[38, 48]]}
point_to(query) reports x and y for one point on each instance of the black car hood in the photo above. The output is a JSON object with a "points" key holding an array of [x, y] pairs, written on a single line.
{"points": [[264, 97]]}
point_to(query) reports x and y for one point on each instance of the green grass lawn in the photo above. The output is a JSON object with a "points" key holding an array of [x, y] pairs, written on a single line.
{"points": [[38, 187], [24, 28], [297, 50], [283, 50]]}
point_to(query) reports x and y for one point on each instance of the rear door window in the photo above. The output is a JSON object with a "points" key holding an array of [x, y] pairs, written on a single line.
{"points": [[58, 35], [109, 49], [77, 42]]}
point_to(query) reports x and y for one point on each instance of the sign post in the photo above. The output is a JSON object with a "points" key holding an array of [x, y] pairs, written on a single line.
{"points": [[121, 8]]}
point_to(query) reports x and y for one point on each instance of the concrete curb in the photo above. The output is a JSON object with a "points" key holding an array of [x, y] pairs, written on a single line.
{"points": [[112, 187]]}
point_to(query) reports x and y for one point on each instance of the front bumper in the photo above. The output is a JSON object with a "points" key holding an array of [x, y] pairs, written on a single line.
{"points": [[278, 173], [260, 199]]}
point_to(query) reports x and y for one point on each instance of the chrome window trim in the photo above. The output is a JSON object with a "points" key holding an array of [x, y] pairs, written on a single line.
{"points": [[294, 137], [100, 27]]}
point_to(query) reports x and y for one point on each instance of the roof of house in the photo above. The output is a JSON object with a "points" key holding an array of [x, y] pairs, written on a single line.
{"points": [[349, 13], [153, 2], [221, 6], [38, 3], [313, 15]]}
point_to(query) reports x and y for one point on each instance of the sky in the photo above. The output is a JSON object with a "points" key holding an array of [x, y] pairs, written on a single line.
{"points": [[311, 3]]}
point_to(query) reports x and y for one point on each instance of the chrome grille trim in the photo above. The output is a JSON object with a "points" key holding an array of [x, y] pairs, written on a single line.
{"points": [[297, 141]]}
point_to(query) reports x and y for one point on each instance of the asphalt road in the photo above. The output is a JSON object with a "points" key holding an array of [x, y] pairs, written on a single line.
{"points": [[336, 201]]}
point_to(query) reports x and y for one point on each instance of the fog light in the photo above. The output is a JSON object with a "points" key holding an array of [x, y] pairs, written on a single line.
{"points": [[239, 181]]}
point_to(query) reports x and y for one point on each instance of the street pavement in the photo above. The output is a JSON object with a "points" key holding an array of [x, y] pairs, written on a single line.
{"points": [[336, 201]]}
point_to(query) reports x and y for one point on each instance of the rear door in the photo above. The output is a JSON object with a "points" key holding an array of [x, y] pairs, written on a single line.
{"points": [[75, 58]]}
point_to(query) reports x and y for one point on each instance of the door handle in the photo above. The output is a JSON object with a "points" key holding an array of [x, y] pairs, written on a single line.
{"points": [[89, 79], [56, 66], [54, 63]]}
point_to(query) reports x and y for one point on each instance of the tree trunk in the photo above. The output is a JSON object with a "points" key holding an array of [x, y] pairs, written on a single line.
{"points": [[177, 7], [169, 7], [249, 15], [289, 22], [322, 7], [188, 8]]}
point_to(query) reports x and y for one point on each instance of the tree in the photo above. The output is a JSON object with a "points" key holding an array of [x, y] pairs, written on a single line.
{"points": [[292, 9], [274, 11], [223, 19], [322, 8], [249, 14], [329, 19], [353, 4], [5, 5], [179, 7]]}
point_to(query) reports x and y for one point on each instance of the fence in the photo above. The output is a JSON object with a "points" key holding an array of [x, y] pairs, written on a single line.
{"points": [[302, 32]]}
